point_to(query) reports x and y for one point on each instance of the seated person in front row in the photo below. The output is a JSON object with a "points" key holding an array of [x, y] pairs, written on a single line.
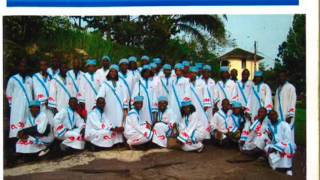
{"points": [[279, 150], [190, 128], [165, 124], [226, 126], [255, 132], [99, 129], [36, 136], [137, 131], [69, 127]]}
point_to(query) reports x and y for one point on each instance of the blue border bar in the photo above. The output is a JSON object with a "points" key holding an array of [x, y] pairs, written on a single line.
{"points": [[121, 3]]}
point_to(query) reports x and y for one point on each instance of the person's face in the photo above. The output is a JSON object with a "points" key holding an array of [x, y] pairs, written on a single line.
{"points": [[205, 74], [225, 104], [145, 62], [100, 103], [245, 75], [178, 72], [257, 80], [225, 75], [91, 68], [273, 116], [43, 66], [123, 67], [162, 105], [236, 111], [56, 63], [22, 67], [73, 103], [64, 68], [262, 113], [167, 72], [138, 105], [234, 73], [282, 78], [76, 64], [105, 64], [35, 110], [146, 74], [192, 76], [133, 65], [187, 110], [113, 73]]}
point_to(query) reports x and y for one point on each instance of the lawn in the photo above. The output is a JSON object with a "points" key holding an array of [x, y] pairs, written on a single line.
{"points": [[300, 126]]}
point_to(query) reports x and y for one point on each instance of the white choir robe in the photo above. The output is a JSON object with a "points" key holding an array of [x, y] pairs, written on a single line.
{"points": [[89, 88], [163, 128], [255, 133], [287, 108], [210, 88], [282, 143], [146, 88], [180, 90], [98, 129], [244, 91], [135, 129], [102, 74], [75, 79], [127, 82], [67, 127], [223, 123], [261, 96], [189, 133], [36, 144], [200, 99], [136, 76], [116, 102], [164, 86], [52, 72], [19, 95], [60, 92], [227, 90]]}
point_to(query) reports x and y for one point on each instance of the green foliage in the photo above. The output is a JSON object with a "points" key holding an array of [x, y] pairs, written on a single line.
{"points": [[300, 126]]}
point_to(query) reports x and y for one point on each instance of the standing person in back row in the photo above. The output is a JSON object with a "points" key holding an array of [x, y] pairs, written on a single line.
{"points": [[285, 101], [244, 88], [209, 87], [103, 71]]}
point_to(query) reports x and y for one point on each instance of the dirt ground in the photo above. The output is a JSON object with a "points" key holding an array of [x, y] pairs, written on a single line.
{"points": [[155, 164]]}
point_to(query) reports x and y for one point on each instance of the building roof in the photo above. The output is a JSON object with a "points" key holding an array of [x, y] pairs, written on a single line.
{"points": [[239, 54]]}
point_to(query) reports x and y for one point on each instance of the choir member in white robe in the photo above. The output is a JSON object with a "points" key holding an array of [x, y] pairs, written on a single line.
{"points": [[70, 127], [133, 70], [200, 67], [244, 88], [225, 88], [285, 101], [261, 96], [36, 136], [99, 129], [117, 103], [19, 95], [186, 66], [74, 75], [89, 86], [280, 150], [145, 60], [209, 87], [234, 75], [164, 85], [188, 127], [61, 90], [257, 135], [102, 72], [125, 77], [146, 88], [55, 69], [137, 130], [200, 99], [180, 89], [165, 124]]}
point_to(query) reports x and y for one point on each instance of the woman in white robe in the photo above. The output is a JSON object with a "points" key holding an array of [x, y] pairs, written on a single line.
{"points": [[69, 127], [137, 130], [117, 102], [210, 88], [244, 88]]}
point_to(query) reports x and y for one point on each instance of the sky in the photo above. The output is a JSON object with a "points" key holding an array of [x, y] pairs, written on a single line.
{"points": [[268, 30]]}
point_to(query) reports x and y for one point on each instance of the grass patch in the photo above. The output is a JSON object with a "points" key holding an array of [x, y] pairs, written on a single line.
{"points": [[300, 126]]}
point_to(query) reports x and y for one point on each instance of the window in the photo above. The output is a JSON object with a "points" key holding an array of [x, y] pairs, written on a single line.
{"points": [[243, 64]]}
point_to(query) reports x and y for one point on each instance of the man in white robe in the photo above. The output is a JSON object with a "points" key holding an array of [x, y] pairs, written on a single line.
{"points": [[103, 71], [261, 96], [209, 87], [225, 88], [133, 70], [137, 130], [125, 77], [145, 60], [69, 127], [146, 88], [99, 129], [19, 95], [89, 86], [55, 66], [61, 90], [165, 124], [285, 101], [280, 150], [117, 103], [164, 85], [244, 88], [189, 128], [180, 89], [36, 136]]}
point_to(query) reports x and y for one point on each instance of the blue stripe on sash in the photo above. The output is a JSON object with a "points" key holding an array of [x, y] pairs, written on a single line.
{"points": [[127, 85], [280, 107], [242, 93], [91, 85], [165, 87], [257, 95], [199, 101], [176, 96], [63, 87], [149, 105], [73, 82], [43, 85], [23, 89], [116, 95], [225, 94]]}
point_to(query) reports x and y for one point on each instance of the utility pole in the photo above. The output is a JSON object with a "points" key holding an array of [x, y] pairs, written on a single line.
{"points": [[255, 56]]}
